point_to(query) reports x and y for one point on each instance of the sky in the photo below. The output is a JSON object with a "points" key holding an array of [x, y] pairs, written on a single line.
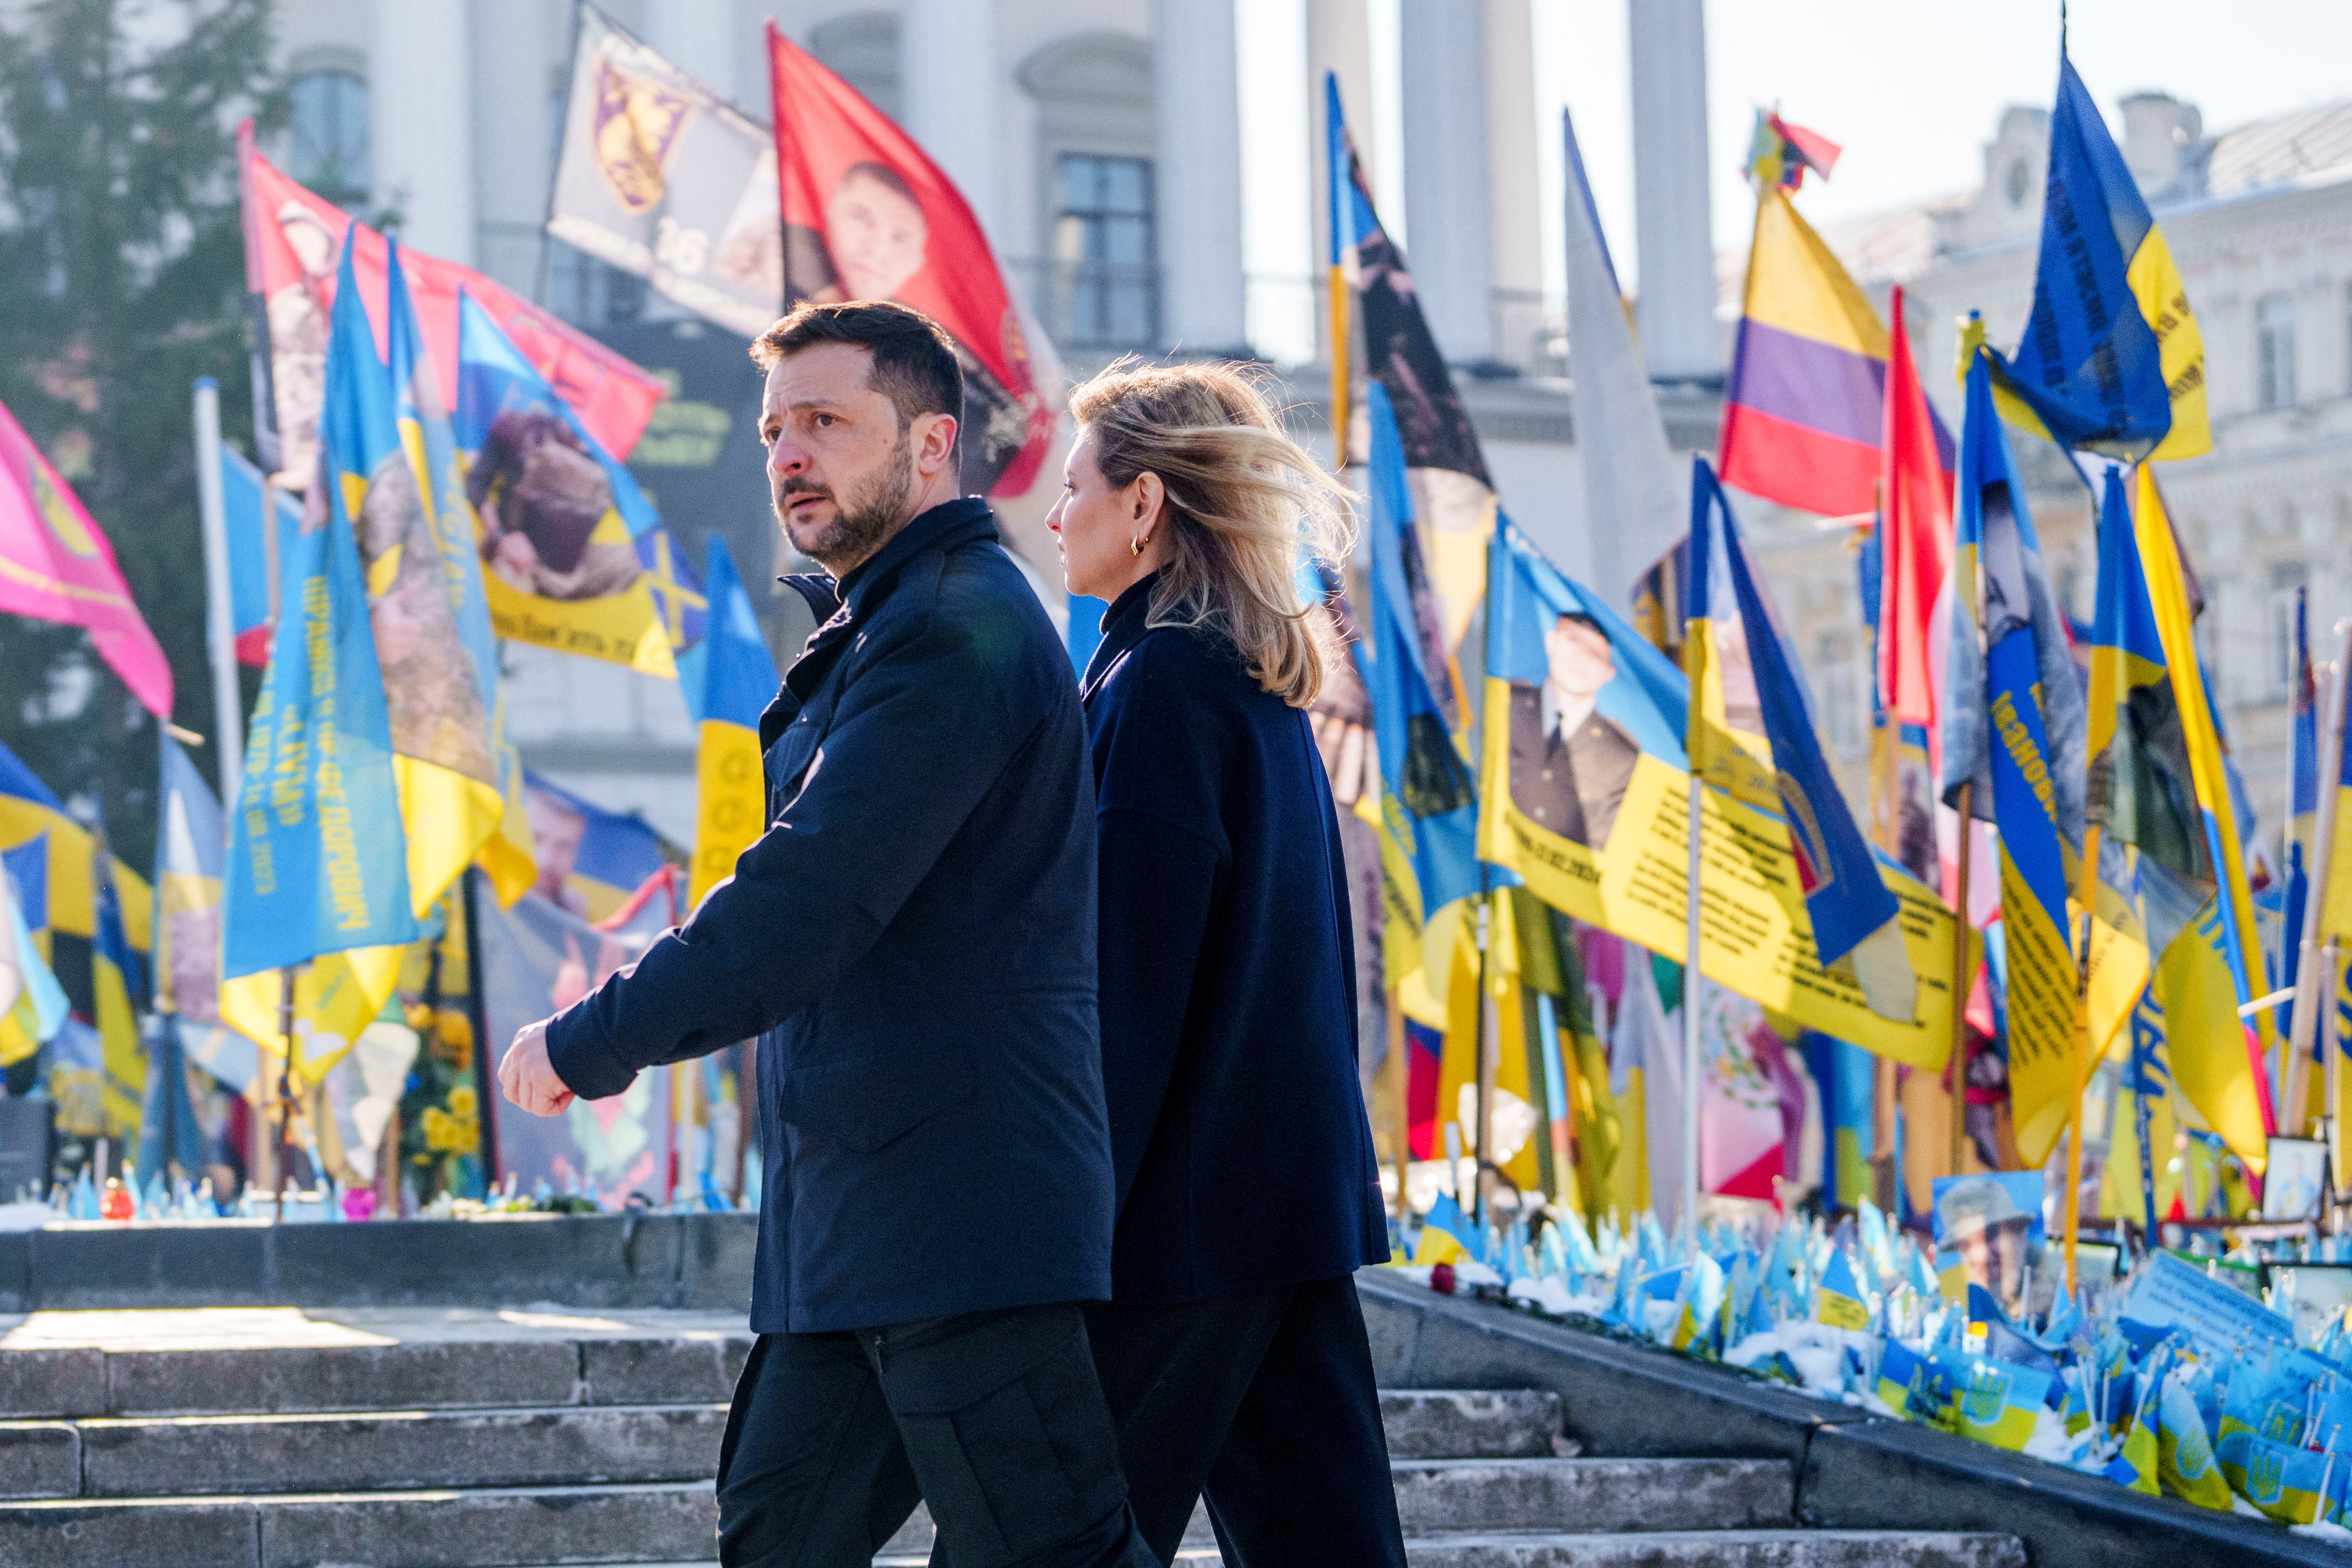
{"points": [[1911, 89]]}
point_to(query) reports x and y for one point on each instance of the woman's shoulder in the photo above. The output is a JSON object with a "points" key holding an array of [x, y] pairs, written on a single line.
{"points": [[1196, 663]]}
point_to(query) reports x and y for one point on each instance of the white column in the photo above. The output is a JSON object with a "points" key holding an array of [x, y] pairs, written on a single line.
{"points": [[1676, 242], [1339, 41], [948, 74], [1445, 45], [1514, 196], [510, 188], [1197, 174], [420, 122], [696, 36]]}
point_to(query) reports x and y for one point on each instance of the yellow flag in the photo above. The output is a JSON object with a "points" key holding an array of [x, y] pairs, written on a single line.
{"points": [[335, 996], [2168, 596]]}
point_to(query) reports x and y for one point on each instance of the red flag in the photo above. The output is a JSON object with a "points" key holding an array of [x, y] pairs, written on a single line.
{"points": [[292, 238], [1915, 535], [867, 216]]}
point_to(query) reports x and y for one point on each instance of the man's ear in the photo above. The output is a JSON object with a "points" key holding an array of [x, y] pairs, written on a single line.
{"points": [[935, 443]]}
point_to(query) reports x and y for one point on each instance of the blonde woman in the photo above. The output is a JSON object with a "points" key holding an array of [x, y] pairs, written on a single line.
{"points": [[1232, 1350]]}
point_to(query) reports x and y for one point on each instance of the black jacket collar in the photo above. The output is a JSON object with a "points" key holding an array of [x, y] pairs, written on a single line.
{"points": [[1123, 626], [839, 603]]}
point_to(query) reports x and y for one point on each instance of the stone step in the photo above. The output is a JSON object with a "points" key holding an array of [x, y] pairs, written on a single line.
{"points": [[1470, 1424], [1435, 1496], [1721, 1549], [439, 1529], [239, 1361], [396, 1450]]}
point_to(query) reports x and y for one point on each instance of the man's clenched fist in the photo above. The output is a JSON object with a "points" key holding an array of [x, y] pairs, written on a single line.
{"points": [[527, 1079]]}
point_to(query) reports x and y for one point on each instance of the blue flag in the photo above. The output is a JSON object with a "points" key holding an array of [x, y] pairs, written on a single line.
{"points": [[1429, 800], [2110, 361], [1849, 903], [317, 861]]}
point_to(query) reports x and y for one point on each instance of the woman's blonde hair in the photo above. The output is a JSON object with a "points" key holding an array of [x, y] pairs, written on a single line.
{"points": [[1245, 505]]}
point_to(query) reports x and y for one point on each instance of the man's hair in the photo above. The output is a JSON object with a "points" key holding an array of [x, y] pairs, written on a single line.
{"points": [[1590, 623], [914, 364], [882, 174]]}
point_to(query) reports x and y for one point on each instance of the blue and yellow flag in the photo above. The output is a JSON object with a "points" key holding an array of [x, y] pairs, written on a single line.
{"points": [[2194, 994], [2111, 359], [461, 783], [590, 859], [32, 1005], [318, 861], [116, 979], [1429, 802], [1585, 799], [1736, 654], [738, 681], [2010, 673], [30, 812], [579, 560]]}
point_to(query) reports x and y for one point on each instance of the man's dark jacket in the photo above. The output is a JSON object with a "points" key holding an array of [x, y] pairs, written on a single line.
{"points": [[914, 942], [1245, 1158]]}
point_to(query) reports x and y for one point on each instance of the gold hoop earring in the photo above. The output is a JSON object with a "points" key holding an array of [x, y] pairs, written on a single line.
{"points": [[1136, 545]]}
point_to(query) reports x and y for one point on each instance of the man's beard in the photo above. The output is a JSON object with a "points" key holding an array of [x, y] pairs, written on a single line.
{"points": [[859, 526]]}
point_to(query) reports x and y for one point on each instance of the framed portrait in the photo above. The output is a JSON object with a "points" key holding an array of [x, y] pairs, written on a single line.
{"points": [[2294, 1178]]}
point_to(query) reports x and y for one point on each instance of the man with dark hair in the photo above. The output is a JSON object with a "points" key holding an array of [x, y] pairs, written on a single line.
{"points": [[913, 940]]}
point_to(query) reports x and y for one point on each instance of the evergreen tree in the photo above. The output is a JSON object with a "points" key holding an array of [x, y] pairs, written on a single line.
{"points": [[122, 281]]}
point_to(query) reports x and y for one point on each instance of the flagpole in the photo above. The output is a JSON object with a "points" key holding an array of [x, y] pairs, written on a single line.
{"points": [[1963, 982], [285, 1080], [220, 616], [2308, 988], [2086, 885]]}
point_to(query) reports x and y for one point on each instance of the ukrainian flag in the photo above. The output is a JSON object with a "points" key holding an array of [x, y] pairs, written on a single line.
{"points": [[317, 870], [1429, 804], [2110, 361], [738, 681], [32, 1005], [116, 977], [31, 813], [452, 811], [2013, 712], [2199, 996]]}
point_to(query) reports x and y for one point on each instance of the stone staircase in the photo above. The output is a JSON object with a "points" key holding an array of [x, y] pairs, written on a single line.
{"points": [[276, 1437]]}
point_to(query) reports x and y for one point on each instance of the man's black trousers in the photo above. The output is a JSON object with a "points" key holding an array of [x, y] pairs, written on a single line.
{"points": [[1264, 1403], [995, 1419]]}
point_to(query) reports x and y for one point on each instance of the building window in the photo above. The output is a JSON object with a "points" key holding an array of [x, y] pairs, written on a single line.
{"points": [[2274, 352], [1106, 282], [327, 139]]}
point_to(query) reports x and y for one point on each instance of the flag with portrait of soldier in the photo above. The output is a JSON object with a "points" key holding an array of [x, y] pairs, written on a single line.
{"points": [[865, 215]]}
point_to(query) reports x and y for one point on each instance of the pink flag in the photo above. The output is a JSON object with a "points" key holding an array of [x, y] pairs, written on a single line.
{"points": [[56, 566]]}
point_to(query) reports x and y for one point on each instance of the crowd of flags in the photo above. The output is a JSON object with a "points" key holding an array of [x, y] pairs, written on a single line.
{"points": [[1628, 917]]}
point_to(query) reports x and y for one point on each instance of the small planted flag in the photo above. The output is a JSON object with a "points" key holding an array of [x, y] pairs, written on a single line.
{"points": [[1838, 1300], [1996, 1401]]}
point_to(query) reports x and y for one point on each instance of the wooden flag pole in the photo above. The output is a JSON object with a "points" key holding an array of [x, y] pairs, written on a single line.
{"points": [[2309, 989], [1962, 979]]}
